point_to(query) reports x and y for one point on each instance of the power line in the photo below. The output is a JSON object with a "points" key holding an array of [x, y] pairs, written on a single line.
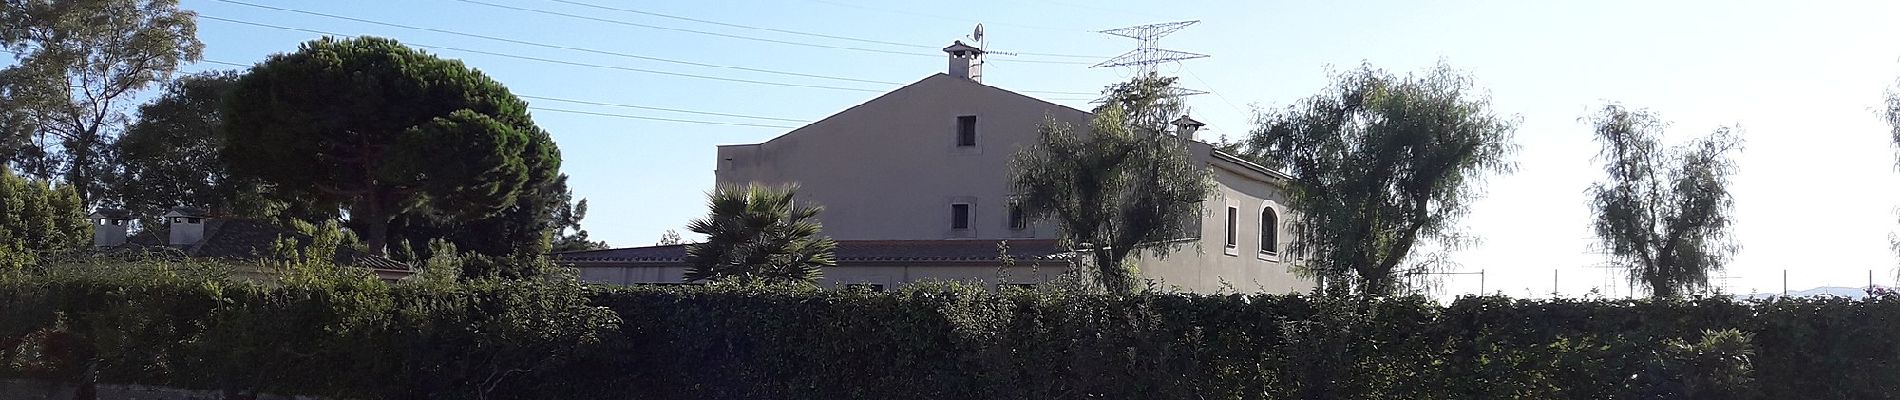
{"points": [[548, 60], [730, 25], [656, 108], [918, 14], [660, 119], [556, 99], [786, 31], [1210, 88], [725, 35], [543, 45]]}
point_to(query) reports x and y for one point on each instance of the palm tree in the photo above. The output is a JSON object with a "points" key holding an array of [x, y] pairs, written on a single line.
{"points": [[758, 232]]}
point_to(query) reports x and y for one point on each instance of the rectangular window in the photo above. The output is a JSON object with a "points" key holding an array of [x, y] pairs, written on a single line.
{"points": [[959, 216], [1017, 219], [1233, 227], [966, 131]]}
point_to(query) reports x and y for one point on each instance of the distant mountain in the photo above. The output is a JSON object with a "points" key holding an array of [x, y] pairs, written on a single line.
{"points": [[1825, 291]]}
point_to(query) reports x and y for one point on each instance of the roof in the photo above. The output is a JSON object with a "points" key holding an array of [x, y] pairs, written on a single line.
{"points": [[959, 47], [248, 239], [922, 84], [187, 212], [111, 213], [849, 252], [1249, 165], [1185, 121]]}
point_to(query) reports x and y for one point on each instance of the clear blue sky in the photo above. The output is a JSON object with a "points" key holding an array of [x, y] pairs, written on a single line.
{"points": [[1816, 189]]}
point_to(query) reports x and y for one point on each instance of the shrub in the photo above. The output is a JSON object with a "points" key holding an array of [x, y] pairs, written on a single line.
{"points": [[341, 336]]}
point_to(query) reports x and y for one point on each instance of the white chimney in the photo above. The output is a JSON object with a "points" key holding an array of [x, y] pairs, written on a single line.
{"points": [[1186, 127], [187, 226], [108, 226], [965, 61]]}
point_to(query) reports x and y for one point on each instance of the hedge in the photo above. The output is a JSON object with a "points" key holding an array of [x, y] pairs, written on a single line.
{"points": [[554, 338]]}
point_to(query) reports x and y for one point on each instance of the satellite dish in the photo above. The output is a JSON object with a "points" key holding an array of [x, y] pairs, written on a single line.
{"points": [[978, 35]]}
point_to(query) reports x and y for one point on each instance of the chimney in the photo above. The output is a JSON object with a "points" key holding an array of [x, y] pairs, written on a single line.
{"points": [[187, 226], [1186, 127], [108, 227], [965, 61]]}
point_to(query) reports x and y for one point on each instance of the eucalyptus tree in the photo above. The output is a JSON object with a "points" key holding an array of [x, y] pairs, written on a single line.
{"points": [[78, 64]]}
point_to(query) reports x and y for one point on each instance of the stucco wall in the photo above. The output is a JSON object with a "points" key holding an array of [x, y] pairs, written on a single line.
{"points": [[890, 168], [1206, 265]]}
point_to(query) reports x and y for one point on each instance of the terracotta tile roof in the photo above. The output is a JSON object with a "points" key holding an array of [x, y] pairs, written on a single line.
{"points": [[852, 252]]}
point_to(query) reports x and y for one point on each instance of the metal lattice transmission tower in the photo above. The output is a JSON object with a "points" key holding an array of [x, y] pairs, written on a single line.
{"points": [[1148, 53]]}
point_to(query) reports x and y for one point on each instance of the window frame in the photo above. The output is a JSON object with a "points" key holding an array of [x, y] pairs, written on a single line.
{"points": [[1232, 247], [966, 133], [1269, 233], [1018, 218], [969, 214]]}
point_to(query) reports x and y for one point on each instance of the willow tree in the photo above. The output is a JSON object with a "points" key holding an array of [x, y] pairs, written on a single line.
{"points": [[1663, 213], [1381, 163], [381, 129], [1124, 187], [759, 233]]}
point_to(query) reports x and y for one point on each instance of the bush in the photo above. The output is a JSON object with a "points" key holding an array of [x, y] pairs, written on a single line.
{"points": [[334, 335]]}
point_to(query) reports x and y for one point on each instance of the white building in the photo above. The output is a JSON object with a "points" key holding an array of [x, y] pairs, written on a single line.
{"points": [[924, 168]]}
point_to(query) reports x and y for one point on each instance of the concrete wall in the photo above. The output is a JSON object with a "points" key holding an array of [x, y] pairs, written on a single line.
{"points": [[890, 168]]}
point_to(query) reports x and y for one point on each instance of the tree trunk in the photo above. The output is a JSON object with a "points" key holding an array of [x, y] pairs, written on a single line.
{"points": [[376, 222]]}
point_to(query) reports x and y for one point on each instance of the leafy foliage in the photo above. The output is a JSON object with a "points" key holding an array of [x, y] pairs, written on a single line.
{"points": [[1663, 214], [757, 233], [385, 130], [317, 330], [568, 234], [38, 219], [1126, 186], [670, 238], [345, 337], [77, 63], [1381, 163], [169, 156]]}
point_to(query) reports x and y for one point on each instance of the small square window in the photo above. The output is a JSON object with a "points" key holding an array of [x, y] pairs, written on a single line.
{"points": [[966, 131], [959, 216], [194, 220]]}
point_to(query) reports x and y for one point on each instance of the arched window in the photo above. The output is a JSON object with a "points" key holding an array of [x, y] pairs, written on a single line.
{"points": [[1269, 232]]}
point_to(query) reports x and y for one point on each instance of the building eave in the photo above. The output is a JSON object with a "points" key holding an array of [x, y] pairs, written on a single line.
{"points": [[1236, 161]]}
